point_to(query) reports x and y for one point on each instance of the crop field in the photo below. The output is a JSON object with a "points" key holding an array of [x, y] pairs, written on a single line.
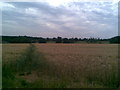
{"points": [[12, 51], [60, 65]]}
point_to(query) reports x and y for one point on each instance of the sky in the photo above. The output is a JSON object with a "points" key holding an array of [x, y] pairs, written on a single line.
{"points": [[64, 18]]}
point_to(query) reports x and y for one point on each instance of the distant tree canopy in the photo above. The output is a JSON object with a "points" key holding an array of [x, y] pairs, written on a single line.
{"points": [[22, 39], [27, 39], [115, 39], [59, 40]]}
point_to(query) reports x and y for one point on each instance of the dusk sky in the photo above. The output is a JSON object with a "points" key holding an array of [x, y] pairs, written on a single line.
{"points": [[65, 18]]}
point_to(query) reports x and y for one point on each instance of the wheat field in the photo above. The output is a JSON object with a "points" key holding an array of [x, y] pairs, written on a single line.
{"points": [[60, 65], [83, 63], [12, 51]]}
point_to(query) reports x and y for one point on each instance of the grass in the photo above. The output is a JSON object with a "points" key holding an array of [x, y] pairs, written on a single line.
{"points": [[61, 66], [0, 66], [9, 67], [86, 66], [21, 72]]}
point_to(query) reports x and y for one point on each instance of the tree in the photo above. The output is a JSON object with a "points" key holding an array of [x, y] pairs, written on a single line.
{"points": [[115, 40], [59, 40], [66, 40], [42, 40]]}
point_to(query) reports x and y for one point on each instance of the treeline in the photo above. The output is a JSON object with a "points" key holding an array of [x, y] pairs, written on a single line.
{"points": [[27, 39], [115, 40]]}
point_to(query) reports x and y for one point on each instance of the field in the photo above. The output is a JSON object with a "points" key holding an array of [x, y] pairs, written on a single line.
{"points": [[12, 51], [60, 65]]}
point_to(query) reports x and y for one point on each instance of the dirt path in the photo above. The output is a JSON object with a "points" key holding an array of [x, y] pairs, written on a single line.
{"points": [[31, 65], [28, 61]]}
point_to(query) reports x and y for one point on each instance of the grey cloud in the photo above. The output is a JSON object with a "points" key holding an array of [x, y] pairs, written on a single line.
{"points": [[76, 19]]}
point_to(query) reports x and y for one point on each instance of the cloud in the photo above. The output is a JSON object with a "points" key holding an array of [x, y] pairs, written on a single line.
{"points": [[31, 11], [114, 1], [71, 19], [6, 6]]}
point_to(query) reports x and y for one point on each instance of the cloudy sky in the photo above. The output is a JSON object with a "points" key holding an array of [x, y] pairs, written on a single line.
{"points": [[65, 18]]}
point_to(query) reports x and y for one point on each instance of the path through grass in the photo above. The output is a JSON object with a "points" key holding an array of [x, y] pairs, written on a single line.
{"points": [[33, 70], [15, 69]]}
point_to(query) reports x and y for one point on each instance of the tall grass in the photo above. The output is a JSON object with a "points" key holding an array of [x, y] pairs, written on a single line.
{"points": [[82, 69], [30, 62], [34, 70], [14, 67]]}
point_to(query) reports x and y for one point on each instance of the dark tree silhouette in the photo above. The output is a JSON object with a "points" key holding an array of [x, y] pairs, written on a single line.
{"points": [[28, 39], [115, 39], [59, 40]]}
